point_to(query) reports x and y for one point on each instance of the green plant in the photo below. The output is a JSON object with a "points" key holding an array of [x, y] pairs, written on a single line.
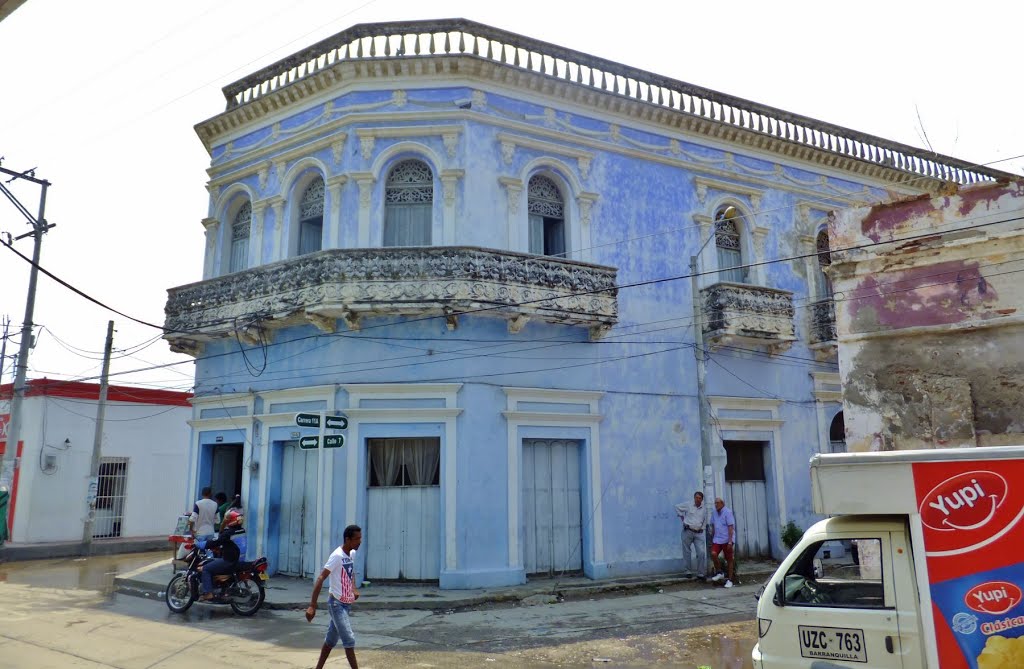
{"points": [[791, 534]]}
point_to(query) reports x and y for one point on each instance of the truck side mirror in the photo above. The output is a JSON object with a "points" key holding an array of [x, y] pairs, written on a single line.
{"points": [[780, 594]]}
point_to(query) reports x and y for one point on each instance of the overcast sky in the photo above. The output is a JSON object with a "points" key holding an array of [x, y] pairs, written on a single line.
{"points": [[101, 98]]}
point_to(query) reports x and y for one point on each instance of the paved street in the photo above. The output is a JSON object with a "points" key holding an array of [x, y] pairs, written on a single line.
{"points": [[62, 613]]}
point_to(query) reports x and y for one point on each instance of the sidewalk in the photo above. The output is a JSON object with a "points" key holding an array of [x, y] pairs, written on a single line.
{"points": [[11, 552], [285, 592]]}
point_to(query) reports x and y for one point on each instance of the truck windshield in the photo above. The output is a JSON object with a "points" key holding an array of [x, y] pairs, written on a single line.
{"points": [[843, 573]]}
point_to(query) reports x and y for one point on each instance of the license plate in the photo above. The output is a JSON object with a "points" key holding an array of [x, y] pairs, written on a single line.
{"points": [[263, 576], [832, 643]]}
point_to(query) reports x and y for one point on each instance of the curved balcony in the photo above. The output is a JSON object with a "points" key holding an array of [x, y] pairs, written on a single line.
{"points": [[349, 284], [739, 314]]}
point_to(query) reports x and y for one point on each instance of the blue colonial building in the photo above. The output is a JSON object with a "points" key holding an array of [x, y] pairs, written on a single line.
{"points": [[477, 247]]}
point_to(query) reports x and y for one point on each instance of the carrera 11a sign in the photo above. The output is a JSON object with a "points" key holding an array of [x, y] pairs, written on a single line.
{"points": [[330, 441], [313, 420]]}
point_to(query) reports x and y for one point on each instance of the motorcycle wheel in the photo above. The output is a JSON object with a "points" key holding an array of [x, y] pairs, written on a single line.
{"points": [[179, 596], [247, 597]]}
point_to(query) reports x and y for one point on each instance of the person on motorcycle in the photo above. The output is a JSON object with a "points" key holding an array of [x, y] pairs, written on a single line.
{"points": [[229, 553]]}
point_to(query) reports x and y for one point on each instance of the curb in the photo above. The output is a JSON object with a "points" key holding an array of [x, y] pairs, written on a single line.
{"points": [[149, 590]]}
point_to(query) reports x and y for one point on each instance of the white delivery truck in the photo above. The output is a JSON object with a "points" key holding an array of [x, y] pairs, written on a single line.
{"points": [[919, 565]]}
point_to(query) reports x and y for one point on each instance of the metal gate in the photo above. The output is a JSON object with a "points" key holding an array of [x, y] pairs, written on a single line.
{"points": [[404, 509], [110, 496], [552, 527], [298, 511], [746, 494]]}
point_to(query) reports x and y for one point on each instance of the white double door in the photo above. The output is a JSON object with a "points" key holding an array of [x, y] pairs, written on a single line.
{"points": [[298, 511], [552, 522]]}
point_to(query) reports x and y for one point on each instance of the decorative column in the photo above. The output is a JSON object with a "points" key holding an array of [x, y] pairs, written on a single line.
{"points": [[585, 203], [277, 248], [333, 219], [759, 238], [212, 227], [365, 181], [707, 251], [514, 191], [449, 183], [259, 210]]}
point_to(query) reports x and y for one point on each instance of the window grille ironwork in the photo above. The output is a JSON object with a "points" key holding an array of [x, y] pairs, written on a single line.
{"points": [[824, 252], [727, 234], [544, 198], [241, 225], [312, 203], [410, 182]]}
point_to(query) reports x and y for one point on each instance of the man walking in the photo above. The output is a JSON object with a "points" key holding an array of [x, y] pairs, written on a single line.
{"points": [[204, 516], [722, 540], [340, 573], [694, 518]]}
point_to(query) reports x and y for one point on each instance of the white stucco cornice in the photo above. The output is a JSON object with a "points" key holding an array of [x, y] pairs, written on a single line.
{"points": [[703, 184], [442, 69]]}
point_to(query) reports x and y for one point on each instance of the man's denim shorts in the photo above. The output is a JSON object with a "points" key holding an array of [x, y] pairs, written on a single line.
{"points": [[340, 626]]}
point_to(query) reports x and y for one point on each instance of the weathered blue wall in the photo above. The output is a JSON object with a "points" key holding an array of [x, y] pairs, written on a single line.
{"points": [[643, 224]]}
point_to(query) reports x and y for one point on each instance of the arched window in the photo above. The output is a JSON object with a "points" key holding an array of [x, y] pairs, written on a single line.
{"points": [[408, 204], [824, 261], [837, 434], [240, 238], [728, 243], [311, 217], [547, 217]]}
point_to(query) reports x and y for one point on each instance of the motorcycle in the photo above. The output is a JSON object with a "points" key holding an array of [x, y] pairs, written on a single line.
{"points": [[243, 589]]}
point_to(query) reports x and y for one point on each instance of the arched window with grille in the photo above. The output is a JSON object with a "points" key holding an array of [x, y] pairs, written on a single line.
{"points": [[729, 246], [409, 204], [547, 217], [311, 217], [837, 434], [824, 261], [240, 227]]}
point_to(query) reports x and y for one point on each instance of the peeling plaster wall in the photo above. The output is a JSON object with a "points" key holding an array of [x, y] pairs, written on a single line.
{"points": [[929, 319]]}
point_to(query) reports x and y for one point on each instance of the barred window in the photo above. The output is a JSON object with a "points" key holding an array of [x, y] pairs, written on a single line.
{"points": [[824, 262]]}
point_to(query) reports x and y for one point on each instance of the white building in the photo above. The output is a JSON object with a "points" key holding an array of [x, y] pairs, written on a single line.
{"points": [[144, 461]]}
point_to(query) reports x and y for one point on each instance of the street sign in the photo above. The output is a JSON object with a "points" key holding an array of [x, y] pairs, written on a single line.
{"points": [[313, 420], [307, 419], [330, 441], [337, 422]]}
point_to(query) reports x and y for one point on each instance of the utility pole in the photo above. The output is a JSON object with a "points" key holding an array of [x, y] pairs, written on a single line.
{"points": [[97, 441], [39, 228], [3, 349], [702, 404]]}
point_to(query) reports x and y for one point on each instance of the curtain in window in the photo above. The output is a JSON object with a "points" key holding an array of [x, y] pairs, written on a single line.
{"points": [[386, 460], [727, 241], [422, 458], [536, 234], [728, 259], [239, 254], [311, 234], [824, 261], [407, 225]]}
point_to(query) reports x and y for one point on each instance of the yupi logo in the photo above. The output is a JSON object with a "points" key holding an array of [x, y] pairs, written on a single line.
{"points": [[964, 502], [994, 597]]}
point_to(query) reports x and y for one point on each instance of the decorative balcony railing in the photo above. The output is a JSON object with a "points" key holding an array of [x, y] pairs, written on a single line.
{"points": [[350, 283], [459, 37], [823, 322], [737, 313]]}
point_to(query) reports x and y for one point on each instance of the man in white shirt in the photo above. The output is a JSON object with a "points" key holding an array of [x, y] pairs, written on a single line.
{"points": [[695, 521], [204, 516], [340, 572]]}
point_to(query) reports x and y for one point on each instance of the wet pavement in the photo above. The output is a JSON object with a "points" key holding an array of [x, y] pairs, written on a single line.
{"points": [[61, 613]]}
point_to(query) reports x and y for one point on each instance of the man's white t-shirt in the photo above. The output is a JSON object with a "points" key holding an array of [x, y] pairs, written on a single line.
{"points": [[343, 575], [204, 516]]}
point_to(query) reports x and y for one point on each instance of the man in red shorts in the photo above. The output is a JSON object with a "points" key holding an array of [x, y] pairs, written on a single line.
{"points": [[724, 524]]}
